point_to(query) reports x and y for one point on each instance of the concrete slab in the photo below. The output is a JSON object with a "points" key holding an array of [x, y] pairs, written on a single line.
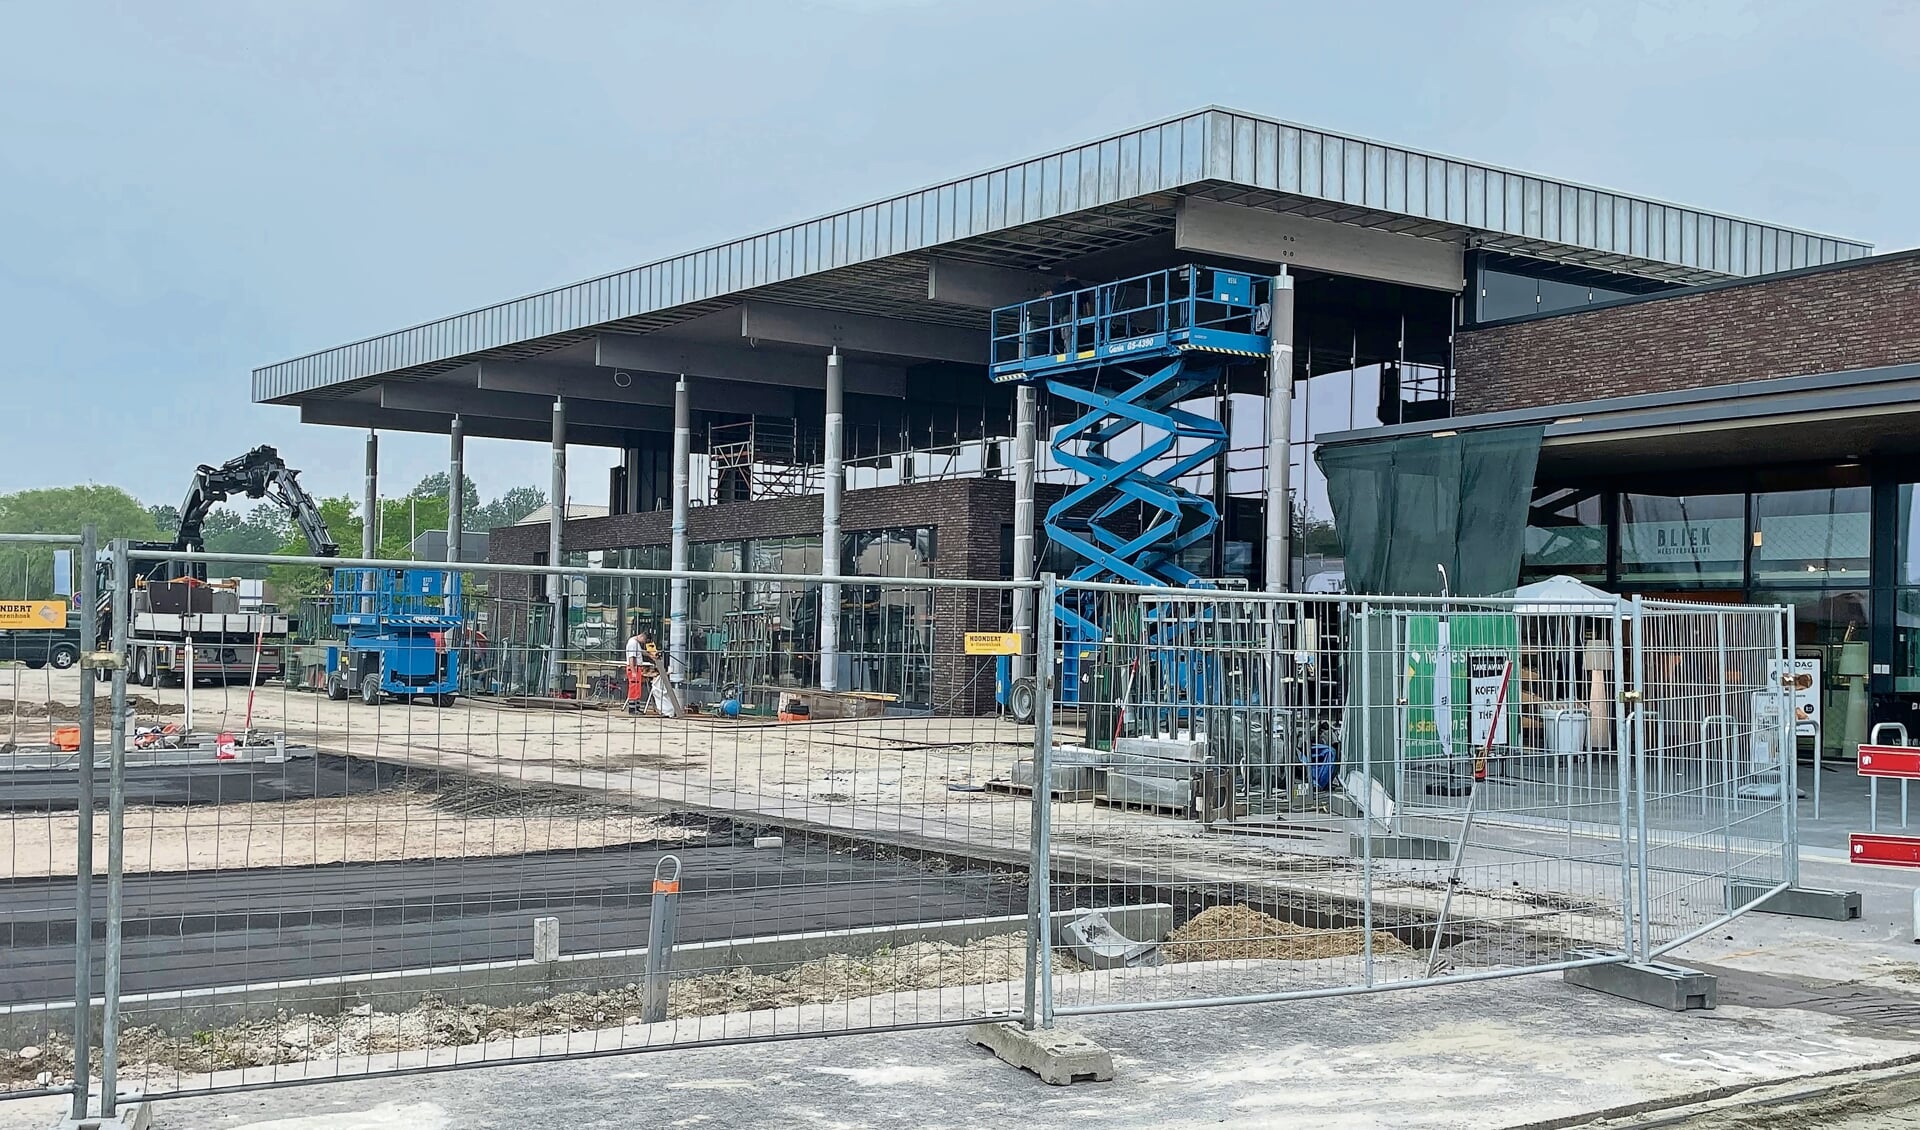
{"points": [[1797, 902], [130, 1113], [1484, 1056], [1672, 987], [1404, 847], [1057, 1055]]}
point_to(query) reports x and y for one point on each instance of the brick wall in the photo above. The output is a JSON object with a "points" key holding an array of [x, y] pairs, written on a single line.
{"points": [[1851, 316], [966, 514]]}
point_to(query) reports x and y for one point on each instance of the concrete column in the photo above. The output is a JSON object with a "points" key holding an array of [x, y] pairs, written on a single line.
{"points": [[370, 510], [830, 530], [1025, 397], [556, 524], [681, 588], [1279, 549], [456, 486]]}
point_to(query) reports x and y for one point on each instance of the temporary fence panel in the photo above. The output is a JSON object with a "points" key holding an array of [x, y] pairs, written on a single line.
{"points": [[1715, 765], [432, 842], [388, 827], [1277, 795]]}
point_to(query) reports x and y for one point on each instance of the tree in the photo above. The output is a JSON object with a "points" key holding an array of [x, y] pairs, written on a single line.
{"points": [[28, 570], [435, 486], [515, 504], [293, 582]]}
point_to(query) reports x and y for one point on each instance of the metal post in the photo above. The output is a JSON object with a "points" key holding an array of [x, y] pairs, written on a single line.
{"points": [[830, 528], [1622, 747], [1366, 773], [680, 590], [1279, 551], [1639, 733], [1038, 1011], [456, 487], [370, 512], [116, 830], [556, 525], [661, 927], [83, 845], [186, 683], [1024, 403]]}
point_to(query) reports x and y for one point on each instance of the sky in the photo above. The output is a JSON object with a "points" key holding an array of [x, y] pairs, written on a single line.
{"points": [[190, 190]]}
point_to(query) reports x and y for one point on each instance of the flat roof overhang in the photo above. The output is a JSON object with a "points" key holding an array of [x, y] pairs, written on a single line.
{"points": [[903, 285], [1843, 417]]}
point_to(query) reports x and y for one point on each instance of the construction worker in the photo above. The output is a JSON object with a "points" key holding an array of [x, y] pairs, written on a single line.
{"points": [[640, 654]]}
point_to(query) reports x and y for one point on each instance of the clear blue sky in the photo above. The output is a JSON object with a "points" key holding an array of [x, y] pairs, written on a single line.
{"points": [[188, 190]]}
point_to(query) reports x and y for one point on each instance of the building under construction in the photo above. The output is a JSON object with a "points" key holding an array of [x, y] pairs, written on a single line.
{"points": [[940, 383]]}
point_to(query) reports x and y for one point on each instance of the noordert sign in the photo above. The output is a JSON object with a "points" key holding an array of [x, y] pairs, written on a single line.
{"points": [[33, 614], [993, 643]]}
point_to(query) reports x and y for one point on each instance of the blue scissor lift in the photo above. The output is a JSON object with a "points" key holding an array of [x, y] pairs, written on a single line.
{"points": [[400, 627], [1128, 354]]}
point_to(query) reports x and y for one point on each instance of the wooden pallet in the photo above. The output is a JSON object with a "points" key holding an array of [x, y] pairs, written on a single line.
{"points": [[1065, 796], [1179, 811]]}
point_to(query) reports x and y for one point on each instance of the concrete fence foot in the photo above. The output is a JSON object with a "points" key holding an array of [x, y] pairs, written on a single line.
{"points": [[1797, 902], [130, 1113], [1672, 987], [1057, 1057]]}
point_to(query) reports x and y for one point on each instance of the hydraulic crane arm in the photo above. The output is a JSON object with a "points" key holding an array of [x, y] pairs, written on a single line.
{"points": [[260, 473]]}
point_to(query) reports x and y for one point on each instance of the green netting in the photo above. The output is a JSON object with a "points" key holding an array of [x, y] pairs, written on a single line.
{"points": [[1403, 506]]}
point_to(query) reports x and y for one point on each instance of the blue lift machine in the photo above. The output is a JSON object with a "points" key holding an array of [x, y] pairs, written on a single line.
{"points": [[400, 628]]}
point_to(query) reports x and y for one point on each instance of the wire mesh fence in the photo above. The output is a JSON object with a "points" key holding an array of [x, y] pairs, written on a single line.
{"points": [[390, 826], [1311, 795]]}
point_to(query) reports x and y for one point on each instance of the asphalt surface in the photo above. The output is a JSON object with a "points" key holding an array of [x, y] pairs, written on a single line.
{"points": [[206, 782], [197, 930]]}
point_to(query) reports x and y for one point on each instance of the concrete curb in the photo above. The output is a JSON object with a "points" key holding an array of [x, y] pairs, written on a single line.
{"points": [[498, 983]]}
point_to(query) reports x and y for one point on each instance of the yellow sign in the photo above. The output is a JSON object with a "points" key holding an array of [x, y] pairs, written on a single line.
{"points": [[993, 643], [33, 613]]}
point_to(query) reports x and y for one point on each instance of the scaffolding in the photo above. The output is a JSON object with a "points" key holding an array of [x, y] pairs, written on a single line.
{"points": [[762, 457]]}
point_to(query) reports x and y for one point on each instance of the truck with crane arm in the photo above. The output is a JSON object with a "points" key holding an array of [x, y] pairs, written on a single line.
{"points": [[182, 626]]}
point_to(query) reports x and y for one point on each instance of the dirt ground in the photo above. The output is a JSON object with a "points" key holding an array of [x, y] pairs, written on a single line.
{"points": [[1222, 933], [150, 1054], [399, 824]]}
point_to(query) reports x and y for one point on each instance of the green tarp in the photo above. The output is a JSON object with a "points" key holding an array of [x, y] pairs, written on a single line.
{"points": [[1403, 506]]}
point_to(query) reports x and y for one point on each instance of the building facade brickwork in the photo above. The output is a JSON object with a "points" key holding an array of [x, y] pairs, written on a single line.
{"points": [[1855, 315]]}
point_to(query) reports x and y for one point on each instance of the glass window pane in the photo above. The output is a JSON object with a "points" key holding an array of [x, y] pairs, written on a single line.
{"points": [[1507, 296], [1822, 616], [1556, 295], [1906, 640], [1683, 541], [1566, 535], [1909, 540], [1811, 536]]}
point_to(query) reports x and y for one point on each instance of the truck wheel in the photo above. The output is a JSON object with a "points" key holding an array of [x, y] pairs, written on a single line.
{"points": [[443, 700], [64, 657], [370, 689], [336, 686], [143, 664], [34, 664], [1020, 701]]}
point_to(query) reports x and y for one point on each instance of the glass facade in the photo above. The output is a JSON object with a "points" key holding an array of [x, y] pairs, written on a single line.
{"points": [[765, 633], [1811, 547]]}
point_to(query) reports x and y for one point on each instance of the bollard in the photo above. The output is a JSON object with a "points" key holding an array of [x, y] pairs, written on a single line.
{"points": [[546, 939], [660, 923]]}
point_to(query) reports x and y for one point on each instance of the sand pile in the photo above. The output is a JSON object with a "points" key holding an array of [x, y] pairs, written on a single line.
{"points": [[1236, 933]]}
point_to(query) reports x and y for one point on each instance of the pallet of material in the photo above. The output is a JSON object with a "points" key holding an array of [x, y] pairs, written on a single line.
{"points": [[1065, 796]]}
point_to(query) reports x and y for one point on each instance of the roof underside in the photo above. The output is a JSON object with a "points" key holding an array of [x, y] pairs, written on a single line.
{"points": [[1069, 210]]}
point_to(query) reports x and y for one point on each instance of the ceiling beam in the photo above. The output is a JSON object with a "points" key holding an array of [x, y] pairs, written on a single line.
{"points": [[631, 386], [982, 286], [863, 333], [472, 404], [360, 414], [1208, 227], [655, 353]]}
